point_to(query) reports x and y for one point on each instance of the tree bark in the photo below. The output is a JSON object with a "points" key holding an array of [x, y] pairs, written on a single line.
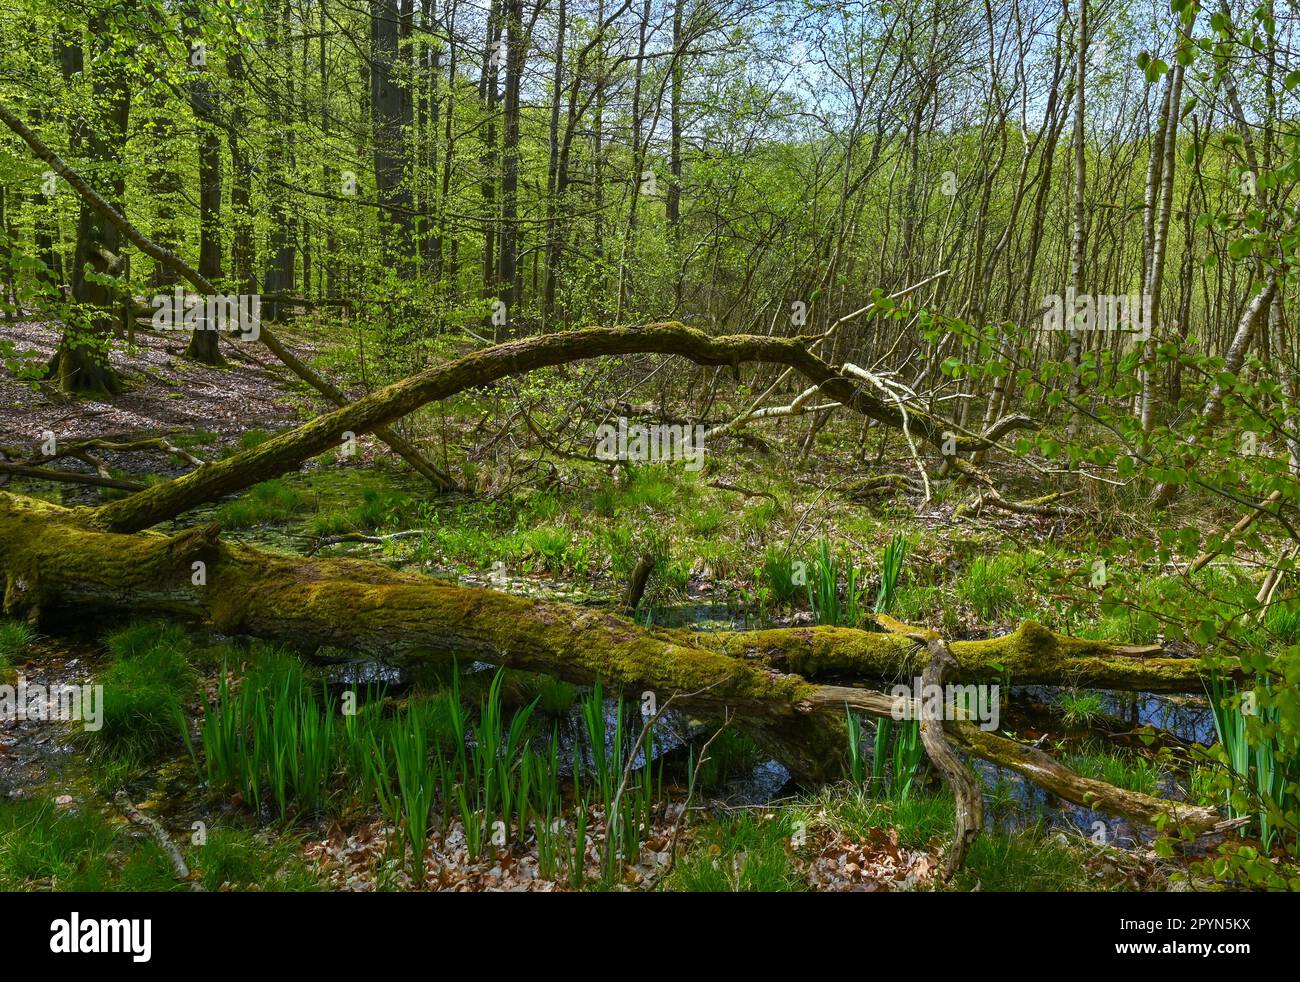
{"points": [[204, 346], [81, 363], [390, 116]]}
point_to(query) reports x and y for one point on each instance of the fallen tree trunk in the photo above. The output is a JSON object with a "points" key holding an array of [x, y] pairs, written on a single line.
{"points": [[50, 560], [1030, 655]]}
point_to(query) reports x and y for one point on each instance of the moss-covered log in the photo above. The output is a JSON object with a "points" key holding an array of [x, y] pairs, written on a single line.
{"points": [[50, 561], [1030, 655]]}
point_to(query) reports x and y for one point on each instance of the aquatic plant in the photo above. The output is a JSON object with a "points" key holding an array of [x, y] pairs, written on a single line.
{"points": [[271, 741], [778, 573], [1261, 768], [892, 561], [824, 585], [857, 760], [1079, 709]]}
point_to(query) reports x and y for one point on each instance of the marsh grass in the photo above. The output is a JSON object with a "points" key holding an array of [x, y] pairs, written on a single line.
{"points": [[989, 586], [262, 504], [778, 574], [740, 852], [43, 847], [145, 690], [753, 850], [655, 488], [246, 860], [1131, 771], [15, 638], [1079, 709], [1028, 861]]}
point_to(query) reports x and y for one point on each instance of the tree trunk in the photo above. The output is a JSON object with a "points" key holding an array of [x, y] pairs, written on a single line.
{"points": [[390, 117], [287, 451], [81, 364], [511, 275], [204, 346], [1075, 349], [50, 562]]}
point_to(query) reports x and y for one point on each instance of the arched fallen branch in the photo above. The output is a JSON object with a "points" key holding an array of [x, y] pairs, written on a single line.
{"points": [[375, 411]]}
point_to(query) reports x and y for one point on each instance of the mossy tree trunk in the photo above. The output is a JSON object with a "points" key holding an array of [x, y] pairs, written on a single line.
{"points": [[51, 560]]}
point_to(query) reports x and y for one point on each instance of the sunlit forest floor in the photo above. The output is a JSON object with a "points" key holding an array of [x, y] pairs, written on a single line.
{"points": [[311, 805]]}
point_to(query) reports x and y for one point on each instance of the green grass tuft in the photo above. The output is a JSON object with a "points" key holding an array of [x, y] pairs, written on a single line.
{"points": [[144, 690]]}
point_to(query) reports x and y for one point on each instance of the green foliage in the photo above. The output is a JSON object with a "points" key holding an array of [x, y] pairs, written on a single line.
{"points": [[15, 638], [1263, 766], [740, 853], [253, 438], [832, 603], [651, 488], [1130, 771], [779, 574], [896, 756], [1078, 708], [271, 740], [857, 758], [892, 561], [988, 587], [732, 754], [627, 805]]}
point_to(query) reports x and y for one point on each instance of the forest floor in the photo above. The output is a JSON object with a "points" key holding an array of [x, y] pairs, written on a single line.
{"points": [[165, 391], [721, 560]]}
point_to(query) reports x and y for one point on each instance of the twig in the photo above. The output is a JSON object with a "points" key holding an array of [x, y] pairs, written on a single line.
{"points": [[690, 793], [159, 833]]}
